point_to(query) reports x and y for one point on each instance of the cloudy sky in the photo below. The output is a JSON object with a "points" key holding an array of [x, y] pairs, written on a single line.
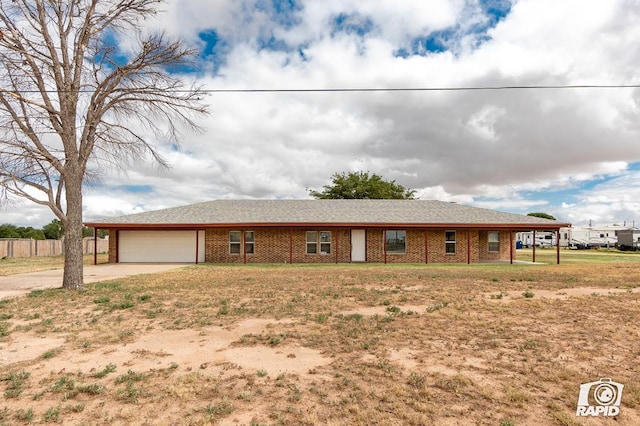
{"points": [[573, 153]]}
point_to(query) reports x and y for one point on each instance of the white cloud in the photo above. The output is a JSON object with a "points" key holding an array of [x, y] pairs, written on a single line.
{"points": [[455, 146]]}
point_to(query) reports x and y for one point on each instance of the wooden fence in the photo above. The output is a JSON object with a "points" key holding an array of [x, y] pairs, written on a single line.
{"points": [[13, 248]]}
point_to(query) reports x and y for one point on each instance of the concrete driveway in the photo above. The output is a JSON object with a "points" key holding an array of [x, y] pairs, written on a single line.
{"points": [[20, 284]]}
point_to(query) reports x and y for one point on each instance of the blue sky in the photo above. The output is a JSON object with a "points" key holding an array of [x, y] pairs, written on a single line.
{"points": [[571, 153]]}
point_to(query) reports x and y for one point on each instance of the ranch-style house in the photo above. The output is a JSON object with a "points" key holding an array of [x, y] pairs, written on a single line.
{"points": [[319, 231]]}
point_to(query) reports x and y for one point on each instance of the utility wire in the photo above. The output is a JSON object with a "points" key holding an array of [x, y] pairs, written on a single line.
{"points": [[376, 89], [427, 89]]}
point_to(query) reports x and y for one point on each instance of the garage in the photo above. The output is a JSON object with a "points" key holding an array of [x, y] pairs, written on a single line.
{"points": [[160, 246]]}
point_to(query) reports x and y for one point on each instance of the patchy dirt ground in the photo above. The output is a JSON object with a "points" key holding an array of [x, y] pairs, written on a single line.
{"points": [[447, 345]]}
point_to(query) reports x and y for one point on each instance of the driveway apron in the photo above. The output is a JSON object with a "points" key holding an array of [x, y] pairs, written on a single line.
{"points": [[20, 284]]}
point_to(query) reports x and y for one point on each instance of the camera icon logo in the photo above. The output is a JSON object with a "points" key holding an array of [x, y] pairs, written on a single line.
{"points": [[598, 398]]}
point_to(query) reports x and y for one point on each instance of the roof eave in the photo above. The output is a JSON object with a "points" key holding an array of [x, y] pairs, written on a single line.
{"points": [[177, 226]]}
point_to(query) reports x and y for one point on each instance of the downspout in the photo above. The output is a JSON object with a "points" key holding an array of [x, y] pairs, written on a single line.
{"points": [[337, 244], [95, 246], [468, 246], [117, 246], [558, 244]]}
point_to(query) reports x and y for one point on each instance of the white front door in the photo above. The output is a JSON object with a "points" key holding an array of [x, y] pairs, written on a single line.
{"points": [[358, 245]]}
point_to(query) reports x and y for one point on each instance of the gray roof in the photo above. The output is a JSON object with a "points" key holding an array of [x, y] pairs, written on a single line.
{"points": [[326, 212]]}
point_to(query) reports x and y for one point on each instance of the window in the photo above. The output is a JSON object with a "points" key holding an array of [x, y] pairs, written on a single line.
{"points": [[450, 242], [325, 242], [249, 242], [235, 242], [494, 242], [314, 238], [396, 242]]}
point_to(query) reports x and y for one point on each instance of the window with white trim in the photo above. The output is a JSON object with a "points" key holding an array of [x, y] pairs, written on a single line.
{"points": [[315, 238], [249, 242], [395, 242], [494, 242], [236, 242], [325, 242], [450, 242]]}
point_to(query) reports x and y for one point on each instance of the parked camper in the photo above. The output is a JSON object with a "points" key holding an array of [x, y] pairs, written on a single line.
{"points": [[629, 239]]}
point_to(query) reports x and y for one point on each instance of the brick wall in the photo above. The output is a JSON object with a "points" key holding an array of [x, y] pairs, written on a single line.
{"points": [[438, 254], [504, 252], [113, 246], [414, 247], [276, 245]]}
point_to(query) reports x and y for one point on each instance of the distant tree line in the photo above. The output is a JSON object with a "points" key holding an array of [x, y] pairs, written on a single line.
{"points": [[51, 231]]}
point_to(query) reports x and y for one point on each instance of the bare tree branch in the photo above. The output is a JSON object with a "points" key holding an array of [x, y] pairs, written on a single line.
{"points": [[69, 99]]}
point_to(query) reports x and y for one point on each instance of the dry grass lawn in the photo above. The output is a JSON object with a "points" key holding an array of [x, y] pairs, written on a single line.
{"points": [[10, 266], [336, 344]]}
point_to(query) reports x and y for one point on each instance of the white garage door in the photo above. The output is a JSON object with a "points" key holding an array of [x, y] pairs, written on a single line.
{"points": [[160, 246]]}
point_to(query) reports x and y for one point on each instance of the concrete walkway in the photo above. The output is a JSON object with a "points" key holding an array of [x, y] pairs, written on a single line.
{"points": [[20, 284]]}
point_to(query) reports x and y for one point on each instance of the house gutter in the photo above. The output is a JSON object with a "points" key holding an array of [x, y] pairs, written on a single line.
{"points": [[479, 226]]}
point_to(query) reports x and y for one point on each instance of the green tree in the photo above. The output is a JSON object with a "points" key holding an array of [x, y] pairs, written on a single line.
{"points": [[361, 185], [12, 231], [71, 100], [53, 230], [87, 231], [542, 215], [9, 231], [31, 232]]}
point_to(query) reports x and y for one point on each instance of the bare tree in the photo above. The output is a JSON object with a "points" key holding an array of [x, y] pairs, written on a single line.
{"points": [[70, 98]]}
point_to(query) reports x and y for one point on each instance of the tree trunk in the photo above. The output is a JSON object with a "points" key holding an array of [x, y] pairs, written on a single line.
{"points": [[73, 252]]}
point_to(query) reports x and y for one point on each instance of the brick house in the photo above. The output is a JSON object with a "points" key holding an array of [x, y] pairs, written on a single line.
{"points": [[319, 231]]}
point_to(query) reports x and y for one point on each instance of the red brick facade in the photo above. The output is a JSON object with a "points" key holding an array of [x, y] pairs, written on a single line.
{"points": [[278, 245]]}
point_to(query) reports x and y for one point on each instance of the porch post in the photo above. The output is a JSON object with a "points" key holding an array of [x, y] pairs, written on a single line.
{"points": [[384, 245], [290, 246], [511, 246], [244, 246], [426, 246], [197, 245], [117, 259], [95, 246], [534, 246]]}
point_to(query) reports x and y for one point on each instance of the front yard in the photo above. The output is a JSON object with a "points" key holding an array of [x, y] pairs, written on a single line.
{"points": [[341, 344]]}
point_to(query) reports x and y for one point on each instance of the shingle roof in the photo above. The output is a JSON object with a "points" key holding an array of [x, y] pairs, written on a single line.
{"points": [[327, 212]]}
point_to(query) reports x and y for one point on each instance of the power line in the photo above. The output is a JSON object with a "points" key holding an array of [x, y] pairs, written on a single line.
{"points": [[428, 89], [374, 89]]}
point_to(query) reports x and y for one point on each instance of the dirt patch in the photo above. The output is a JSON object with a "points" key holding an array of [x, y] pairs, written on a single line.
{"points": [[562, 294], [20, 348], [296, 345], [387, 309], [190, 350]]}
